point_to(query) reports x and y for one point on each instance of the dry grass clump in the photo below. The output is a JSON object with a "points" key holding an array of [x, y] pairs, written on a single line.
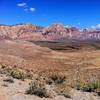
{"points": [[55, 78], [93, 86]]}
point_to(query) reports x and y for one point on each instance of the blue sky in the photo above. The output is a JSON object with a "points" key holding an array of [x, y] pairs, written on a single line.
{"points": [[80, 13]]}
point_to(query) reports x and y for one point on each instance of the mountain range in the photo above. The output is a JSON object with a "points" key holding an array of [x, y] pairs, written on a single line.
{"points": [[52, 32]]}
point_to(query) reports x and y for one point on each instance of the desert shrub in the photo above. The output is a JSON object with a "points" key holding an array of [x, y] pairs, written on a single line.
{"points": [[18, 74], [63, 89], [39, 88], [5, 69], [88, 87], [56, 78], [80, 86]]}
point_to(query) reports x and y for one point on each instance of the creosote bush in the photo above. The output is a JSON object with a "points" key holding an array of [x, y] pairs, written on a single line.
{"points": [[40, 89]]}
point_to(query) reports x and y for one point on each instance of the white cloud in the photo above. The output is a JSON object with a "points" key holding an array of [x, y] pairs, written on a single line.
{"points": [[32, 9], [96, 26], [21, 4], [25, 7]]}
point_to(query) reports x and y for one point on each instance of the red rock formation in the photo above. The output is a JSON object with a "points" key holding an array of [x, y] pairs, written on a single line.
{"points": [[26, 31], [37, 33]]}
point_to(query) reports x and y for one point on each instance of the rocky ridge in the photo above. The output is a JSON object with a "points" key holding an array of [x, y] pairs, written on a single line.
{"points": [[52, 32]]}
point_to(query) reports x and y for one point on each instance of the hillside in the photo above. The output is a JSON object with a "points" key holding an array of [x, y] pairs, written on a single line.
{"points": [[77, 62], [30, 56]]}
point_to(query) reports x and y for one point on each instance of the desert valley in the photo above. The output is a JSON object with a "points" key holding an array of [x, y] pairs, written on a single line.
{"points": [[49, 63]]}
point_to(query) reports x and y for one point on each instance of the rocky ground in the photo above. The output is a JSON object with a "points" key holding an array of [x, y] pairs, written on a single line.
{"points": [[16, 91]]}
